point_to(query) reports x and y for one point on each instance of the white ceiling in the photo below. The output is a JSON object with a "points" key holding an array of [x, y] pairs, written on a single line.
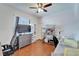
{"points": [[56, 7]]}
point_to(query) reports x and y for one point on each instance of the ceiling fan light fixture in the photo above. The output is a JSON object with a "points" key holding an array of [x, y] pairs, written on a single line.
{"points": [[40, 10], [41, 7]]}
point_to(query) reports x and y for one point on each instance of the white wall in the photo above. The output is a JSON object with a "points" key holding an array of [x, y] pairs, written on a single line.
{"points": [[7, 22], [68, 18]]}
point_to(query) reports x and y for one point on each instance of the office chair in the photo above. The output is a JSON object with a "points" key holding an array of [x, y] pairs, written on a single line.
{"points": [[9, 49]]}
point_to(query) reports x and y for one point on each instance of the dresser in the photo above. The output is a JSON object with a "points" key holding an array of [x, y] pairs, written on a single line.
{"points": [[24, 40]]}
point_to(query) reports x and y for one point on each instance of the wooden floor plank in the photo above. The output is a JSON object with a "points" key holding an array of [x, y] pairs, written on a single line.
{"points": [[37, 48]]}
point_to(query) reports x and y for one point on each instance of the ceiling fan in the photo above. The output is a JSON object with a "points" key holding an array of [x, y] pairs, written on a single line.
{"points": [[41, 7]]}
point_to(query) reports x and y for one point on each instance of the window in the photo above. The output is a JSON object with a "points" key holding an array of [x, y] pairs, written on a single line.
{"points": [[23, 21], [23, 25]]}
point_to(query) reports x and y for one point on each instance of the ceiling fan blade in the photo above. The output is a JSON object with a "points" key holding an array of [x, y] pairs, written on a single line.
{"points": [[47, 5], [44, 10], [33, 7]]}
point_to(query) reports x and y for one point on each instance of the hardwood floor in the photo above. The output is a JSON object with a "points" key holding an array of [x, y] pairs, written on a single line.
{"points": [[37, 48]]}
